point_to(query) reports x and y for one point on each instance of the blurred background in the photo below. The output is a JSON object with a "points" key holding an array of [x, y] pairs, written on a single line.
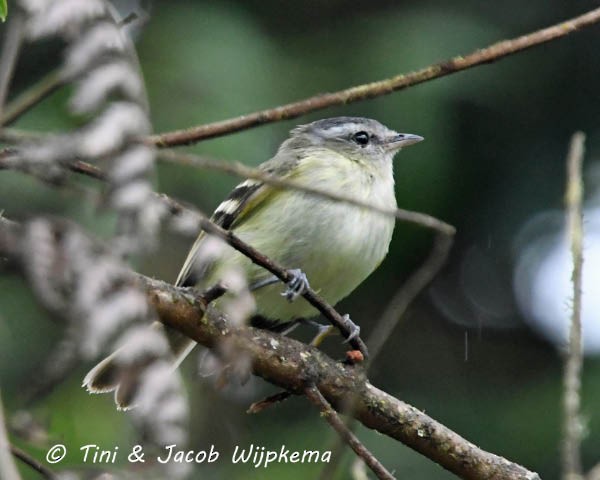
{"points": [[481, 349]]}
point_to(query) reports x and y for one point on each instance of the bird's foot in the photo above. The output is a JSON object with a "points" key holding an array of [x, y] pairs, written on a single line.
{"points": [[352, 327], [296, 286]]}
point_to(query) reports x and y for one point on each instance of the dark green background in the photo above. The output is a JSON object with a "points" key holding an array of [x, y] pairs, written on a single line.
{"points": [[496, 140]]}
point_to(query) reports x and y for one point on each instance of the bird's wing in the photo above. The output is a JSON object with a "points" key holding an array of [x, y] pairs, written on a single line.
{"points": [[231, 212], [234, 210]]}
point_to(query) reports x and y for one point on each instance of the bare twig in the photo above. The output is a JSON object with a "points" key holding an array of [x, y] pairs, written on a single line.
{"points": [[407, 293], [243, 171], [371, 90], [343, 324], [33, 463], [396, 307], [87, 169], [10, 52], [315, 396], [391, 316], [47, 85], [571, 454], [8, 469]]}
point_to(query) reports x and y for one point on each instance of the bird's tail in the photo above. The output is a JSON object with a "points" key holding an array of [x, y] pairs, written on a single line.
{"points": [[121, 371]]}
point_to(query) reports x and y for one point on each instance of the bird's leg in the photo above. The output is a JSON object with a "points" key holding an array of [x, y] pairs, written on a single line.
{"points": [[264, 283], [322, 332], [296, 285], [352, 327]]}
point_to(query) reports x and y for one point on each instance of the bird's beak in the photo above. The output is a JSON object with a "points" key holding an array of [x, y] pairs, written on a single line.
{"points": [[403, 140]]}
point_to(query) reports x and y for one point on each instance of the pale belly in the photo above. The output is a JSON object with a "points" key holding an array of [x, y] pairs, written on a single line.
{"points": [[336, 245]]}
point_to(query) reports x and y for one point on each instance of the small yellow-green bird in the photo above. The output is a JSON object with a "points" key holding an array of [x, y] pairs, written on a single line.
{"points": [[334, 245]]}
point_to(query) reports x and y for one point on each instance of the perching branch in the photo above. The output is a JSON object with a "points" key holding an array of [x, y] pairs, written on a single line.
{"points": [[292, 365], [572, 426], [376, 89]]}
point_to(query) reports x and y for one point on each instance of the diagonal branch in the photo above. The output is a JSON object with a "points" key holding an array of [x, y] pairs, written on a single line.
{"points": [[33, 463], [31, 97], [376, 89], [407, 292]]}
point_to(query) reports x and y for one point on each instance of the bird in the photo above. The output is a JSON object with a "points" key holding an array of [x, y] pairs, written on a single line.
{"points": [[329, 245]]}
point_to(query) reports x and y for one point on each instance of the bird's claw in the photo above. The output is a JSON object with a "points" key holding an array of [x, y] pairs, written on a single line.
{"points": [[296, 286], [353, 327]]}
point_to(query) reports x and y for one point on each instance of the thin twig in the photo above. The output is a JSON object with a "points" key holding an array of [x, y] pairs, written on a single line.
{"points": [[47, 85], [371, 90], [8, 469], [571, 451], [44, 87], [331, 416], [10, 52], [343, 324], [407, 292], [243, 171], [386, 324], [88, 169], [240, 170], [33, 463]]}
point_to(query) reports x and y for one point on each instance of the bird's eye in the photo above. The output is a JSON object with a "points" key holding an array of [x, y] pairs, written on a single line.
{"points": [[362, 138]]}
